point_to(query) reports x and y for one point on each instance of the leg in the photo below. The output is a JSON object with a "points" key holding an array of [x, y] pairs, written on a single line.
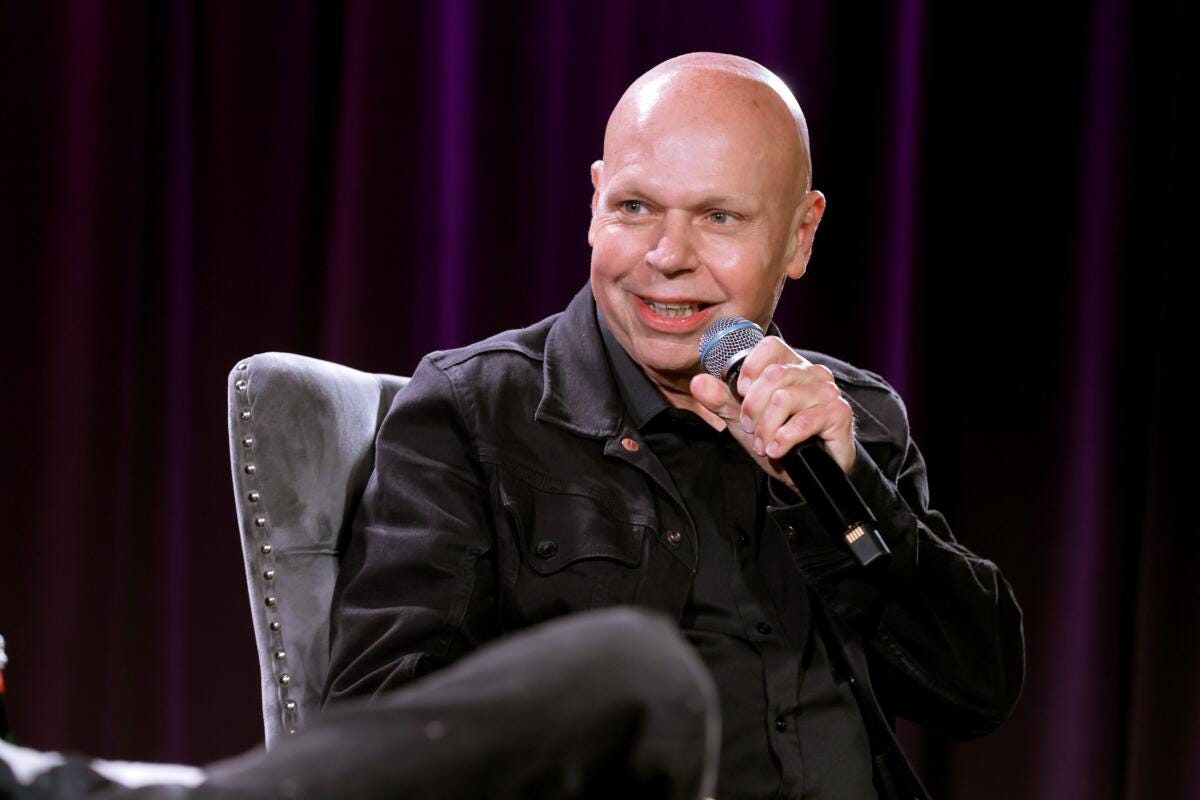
{"points": [[606, 704]]}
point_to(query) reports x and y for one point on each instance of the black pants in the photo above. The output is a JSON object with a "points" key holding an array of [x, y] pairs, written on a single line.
{"points": [[610, 704]]}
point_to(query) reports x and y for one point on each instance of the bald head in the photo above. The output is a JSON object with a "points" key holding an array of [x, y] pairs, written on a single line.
{"points": [[730, 93]]}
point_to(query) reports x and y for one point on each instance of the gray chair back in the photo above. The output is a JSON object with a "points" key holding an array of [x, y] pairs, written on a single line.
{"points": [[301, 443]]}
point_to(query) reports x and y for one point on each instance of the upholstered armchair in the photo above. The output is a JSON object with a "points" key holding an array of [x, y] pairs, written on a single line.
{"points": [[301, 443]]}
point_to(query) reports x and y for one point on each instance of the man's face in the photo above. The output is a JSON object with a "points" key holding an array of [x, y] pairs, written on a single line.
{"points": [[693, 220]]}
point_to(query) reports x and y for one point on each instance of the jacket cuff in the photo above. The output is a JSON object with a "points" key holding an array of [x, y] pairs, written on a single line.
{"points": [[853, 592], [813, 550]]}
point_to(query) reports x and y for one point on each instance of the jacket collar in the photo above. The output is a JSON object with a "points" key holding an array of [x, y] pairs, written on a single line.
{"points": [[578, 389]]}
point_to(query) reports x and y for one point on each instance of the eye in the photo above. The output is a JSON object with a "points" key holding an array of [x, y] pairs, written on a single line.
{"points": [[633, 206], [721, 217]]}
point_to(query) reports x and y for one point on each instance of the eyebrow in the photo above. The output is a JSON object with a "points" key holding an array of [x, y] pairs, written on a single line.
{"points": [[708, 201], [725, 201]]}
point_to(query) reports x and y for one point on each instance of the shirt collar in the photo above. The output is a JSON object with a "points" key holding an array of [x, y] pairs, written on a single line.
{"points": [[643, 401]]}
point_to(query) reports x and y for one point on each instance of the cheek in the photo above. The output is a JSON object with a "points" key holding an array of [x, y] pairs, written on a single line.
{"points": [[735, 264], [616, 251], [745, 272]]}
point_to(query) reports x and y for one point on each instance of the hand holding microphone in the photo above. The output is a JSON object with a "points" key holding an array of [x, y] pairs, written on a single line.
{"points": [[791, 416]]}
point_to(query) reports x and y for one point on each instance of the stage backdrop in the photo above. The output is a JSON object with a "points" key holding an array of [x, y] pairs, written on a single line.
{"points": [[185, 184]]}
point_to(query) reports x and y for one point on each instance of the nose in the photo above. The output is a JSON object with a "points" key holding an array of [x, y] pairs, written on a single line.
{"points": [[675, 251]]}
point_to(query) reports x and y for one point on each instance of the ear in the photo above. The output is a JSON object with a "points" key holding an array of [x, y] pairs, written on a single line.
{"points": [[597, 171], [807, 218]]}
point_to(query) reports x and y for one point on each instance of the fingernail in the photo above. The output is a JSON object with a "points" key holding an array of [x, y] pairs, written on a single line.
{"points": [[758, 445], [773, 449], [747, 425], [743, 386]]}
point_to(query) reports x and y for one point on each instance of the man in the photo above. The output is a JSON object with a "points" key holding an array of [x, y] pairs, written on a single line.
{"points": [[586, 461]]}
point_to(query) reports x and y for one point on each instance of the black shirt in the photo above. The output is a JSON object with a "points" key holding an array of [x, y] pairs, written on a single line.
{"points": [[790, 726]]}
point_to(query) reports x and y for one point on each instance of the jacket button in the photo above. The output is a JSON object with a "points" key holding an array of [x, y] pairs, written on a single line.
{"points": [[780, 724], [674, 537], [547, 548], [789, 531], [630, 444], [764, 628]]}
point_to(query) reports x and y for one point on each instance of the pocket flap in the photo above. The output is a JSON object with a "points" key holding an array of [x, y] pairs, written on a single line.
{"points": [[561, 522]]}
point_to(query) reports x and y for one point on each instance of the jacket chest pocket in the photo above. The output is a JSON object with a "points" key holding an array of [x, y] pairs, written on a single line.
{"points": [[575, 547]]}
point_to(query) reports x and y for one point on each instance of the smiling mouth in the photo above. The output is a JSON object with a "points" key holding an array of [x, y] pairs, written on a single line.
{"points": [[675, 310]]}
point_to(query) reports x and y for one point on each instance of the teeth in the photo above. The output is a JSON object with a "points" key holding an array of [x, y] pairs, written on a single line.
{"points": [[678, 310]]}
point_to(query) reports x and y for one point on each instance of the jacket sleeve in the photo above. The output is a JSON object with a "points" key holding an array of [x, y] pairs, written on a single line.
{"points": [[942, 628], [416, 585]]}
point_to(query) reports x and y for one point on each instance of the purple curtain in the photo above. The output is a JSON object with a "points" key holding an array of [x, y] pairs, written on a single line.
{"points": [[184, 184]]}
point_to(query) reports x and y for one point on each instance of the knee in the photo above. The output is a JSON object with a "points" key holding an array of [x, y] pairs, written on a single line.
{"points": [[626, 628], [643, 651], [622, 635]]}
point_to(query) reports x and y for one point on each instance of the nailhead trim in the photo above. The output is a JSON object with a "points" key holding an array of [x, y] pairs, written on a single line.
{"points": [[262, 558]]}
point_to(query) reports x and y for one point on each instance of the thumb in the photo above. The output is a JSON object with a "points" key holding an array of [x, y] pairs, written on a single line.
{"points": [[714, 395]]}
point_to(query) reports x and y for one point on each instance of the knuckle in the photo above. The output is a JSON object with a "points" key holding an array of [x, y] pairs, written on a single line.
{"points": [[775, 349], [821, 372], [843, 408], [774, 372], [772, 344], [789, 355], [761, 351], [831, 393]]}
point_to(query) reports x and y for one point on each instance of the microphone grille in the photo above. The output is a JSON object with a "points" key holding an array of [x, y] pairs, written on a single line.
{"points": [[725, 339]]}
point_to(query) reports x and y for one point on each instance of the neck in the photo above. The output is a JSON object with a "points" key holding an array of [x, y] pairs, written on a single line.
{"points": [[677, 393]]}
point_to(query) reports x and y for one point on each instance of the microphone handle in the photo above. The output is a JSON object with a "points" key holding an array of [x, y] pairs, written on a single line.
{"points": [[835, 502]]}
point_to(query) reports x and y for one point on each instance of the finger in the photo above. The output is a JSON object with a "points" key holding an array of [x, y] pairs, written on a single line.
{"points": [[821, 402], [758, 396], [714, 395], [833, 422], [782, 390], [771, 350], [784, 404], [796, 429]]}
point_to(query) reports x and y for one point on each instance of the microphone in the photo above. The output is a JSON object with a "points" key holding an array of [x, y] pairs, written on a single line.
{"points": [[834, 501]]}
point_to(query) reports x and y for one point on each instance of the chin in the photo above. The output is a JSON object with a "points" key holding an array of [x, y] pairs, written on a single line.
{"points": [[680, 368]]}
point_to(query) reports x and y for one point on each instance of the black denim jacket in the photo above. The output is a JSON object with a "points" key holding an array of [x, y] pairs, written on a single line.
{"points": [[509, 488]]}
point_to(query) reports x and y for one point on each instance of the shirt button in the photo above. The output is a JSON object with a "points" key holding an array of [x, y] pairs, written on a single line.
{"points": [[780, 724], [743, 539], [547, 548], [674, 537], [764, 628], [630, 445]]}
